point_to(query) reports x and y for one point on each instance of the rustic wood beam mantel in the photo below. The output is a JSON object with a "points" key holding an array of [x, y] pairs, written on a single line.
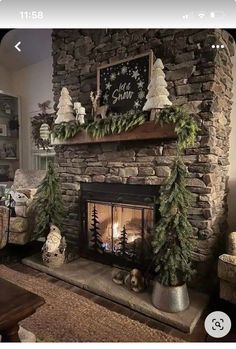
{"points": [[149, 130]]}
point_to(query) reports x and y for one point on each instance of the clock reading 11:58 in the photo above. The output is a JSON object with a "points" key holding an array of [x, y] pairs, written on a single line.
{"points": [[31, 14]]}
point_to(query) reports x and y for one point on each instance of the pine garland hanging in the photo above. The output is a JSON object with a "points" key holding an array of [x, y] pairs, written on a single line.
{"points": [[185, 125], [66, 130], [114, 124], [47, 205]]}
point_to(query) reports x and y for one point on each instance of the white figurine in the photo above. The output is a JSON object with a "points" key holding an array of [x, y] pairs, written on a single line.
{"points": [[54, 248], [21, 203], [80, 112]]}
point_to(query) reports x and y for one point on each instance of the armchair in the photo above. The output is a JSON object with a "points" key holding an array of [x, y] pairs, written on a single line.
{"points": [[227, 271], [20, 228]]}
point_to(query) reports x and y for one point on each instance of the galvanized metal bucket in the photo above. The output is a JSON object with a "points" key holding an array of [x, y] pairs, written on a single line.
{"points": [[170, 299]]}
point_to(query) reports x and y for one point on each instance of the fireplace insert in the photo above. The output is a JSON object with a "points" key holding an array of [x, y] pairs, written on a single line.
{"points": [[116, 223]]}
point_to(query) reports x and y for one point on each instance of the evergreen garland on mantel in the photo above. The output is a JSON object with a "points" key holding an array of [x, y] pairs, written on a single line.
{"points": [[185, 125], [114, 124]]}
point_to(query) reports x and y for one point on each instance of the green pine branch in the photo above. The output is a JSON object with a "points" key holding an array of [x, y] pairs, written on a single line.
{"points": [[114, 124], [185, 125]]}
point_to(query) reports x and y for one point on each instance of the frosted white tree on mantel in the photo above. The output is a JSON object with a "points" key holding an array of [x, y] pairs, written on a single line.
{"points": [[65, 107], [157, 97]]}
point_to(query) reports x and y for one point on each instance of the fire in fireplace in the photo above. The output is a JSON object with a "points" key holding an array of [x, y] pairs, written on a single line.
{"points": [[116, 222]]}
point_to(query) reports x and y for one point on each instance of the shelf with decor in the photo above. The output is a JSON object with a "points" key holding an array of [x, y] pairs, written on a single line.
{"points": [[9, 137], [148, 130]]}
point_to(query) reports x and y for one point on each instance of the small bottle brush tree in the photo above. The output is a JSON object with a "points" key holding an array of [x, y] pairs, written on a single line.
{"points": [[157, 97], [172, 246], [48, 207], [65, 111], [96, 237], [123, 243]]}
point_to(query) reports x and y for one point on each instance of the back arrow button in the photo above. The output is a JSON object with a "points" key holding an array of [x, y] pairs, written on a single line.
{"points": [[17, 46]]}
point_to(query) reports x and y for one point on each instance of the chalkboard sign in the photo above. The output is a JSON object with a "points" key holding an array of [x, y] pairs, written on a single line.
{"points": [[124, 84]]}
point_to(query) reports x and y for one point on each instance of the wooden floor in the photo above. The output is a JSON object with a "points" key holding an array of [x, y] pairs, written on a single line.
{"points": [[198, 335]]}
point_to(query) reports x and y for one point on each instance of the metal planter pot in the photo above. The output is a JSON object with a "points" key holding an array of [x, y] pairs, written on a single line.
{"points": [[170, 299]]}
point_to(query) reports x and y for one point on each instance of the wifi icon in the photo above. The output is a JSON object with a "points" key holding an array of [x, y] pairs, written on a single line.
{"points": [[201, 15]]}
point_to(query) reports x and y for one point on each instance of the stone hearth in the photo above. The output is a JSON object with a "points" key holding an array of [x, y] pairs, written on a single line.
{"points": [[199, 79], [97, 278]]}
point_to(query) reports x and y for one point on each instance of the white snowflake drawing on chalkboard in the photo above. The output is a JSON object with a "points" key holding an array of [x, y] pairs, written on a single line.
{"points": [[136, 104], [141, 94], [108, 86], [105, 97], [126, 84], [135, 74], [124, 70], [112, 76], [140, 84]]}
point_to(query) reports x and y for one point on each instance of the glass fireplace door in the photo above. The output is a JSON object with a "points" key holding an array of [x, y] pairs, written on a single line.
{"points": [[119, 229]]}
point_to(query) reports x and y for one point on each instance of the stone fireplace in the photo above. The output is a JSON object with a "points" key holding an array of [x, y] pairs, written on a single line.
{"points": [[200, 79]]}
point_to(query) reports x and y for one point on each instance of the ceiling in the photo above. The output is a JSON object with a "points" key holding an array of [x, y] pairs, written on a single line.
{"points": [[35, 46]]}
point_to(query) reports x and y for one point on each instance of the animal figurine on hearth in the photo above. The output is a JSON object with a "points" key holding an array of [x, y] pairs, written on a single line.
{"points": [[134, 280], [54, 248], [21, 203], [80, 113], [97, 110]]}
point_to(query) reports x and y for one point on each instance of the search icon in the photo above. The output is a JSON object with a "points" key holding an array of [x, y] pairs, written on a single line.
{"points": [[217, 324]]}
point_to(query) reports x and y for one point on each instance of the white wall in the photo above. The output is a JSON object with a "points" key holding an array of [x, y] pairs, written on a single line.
{"points": [[34, 85], [232, 159], [5, 80]]}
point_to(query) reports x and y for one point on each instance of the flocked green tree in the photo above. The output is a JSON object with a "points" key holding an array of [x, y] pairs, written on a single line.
{"points": [[123, 243], [47, 204], [96, 237], [172, 244]]}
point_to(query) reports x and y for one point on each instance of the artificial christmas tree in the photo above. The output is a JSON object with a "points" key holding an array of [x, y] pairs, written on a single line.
{"points": [[157, 97], [172, 245], [65, 111], [96, 237], [47, 205], [123, 243]]}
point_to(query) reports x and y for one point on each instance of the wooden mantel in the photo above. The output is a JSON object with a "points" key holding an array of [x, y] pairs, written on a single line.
{"points": [[149, 130]]}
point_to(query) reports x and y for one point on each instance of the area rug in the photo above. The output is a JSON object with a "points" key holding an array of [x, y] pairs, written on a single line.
{"points": [[69, 317]]}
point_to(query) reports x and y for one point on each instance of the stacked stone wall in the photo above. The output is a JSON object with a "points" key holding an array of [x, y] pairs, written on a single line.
{"points": [[199, 78]]}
